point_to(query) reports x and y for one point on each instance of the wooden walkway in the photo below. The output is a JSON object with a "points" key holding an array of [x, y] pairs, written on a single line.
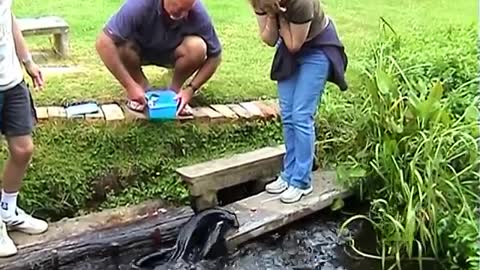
{"points": [[113, 112], [263, 213]]}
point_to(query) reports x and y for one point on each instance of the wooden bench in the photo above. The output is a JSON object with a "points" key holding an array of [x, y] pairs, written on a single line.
{"points": [[205, 179], [48, 25]]}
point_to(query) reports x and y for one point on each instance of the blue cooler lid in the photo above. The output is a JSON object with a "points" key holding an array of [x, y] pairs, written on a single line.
{"points": [[161, 99]]}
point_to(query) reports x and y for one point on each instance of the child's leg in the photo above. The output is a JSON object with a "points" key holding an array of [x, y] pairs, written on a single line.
{"points": [[18, 118], [20, 150]]}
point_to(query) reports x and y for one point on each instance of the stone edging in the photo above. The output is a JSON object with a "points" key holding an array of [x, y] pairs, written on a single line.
{"points": [[262, 109]]}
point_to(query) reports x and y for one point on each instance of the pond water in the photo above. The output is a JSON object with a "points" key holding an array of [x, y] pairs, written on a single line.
{"points": [[311, 243]]}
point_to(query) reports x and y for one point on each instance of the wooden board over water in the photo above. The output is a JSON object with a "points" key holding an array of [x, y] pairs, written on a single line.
{"points": [[264, 212]]}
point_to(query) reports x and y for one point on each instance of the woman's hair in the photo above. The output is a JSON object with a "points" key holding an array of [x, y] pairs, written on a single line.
{"points": [[269, 6]]}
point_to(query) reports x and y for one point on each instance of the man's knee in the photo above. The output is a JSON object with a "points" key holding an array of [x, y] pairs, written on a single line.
{"points": [[194, 48], [21, 149]]}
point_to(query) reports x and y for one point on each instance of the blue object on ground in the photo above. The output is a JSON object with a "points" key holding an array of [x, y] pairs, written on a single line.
{"points": [[161, 104], [81, 109]]}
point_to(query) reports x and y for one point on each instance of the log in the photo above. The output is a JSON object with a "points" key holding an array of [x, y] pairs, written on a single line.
{"points": [[104, 247]]}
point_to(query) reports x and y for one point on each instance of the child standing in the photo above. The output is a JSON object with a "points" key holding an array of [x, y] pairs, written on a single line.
{"points": [[17, 118]]}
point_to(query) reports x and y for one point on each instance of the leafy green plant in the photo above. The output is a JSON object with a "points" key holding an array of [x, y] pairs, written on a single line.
{"points": [[419, 155]]}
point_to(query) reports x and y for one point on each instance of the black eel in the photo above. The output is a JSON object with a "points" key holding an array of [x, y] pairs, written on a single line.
{"points": [[202, 237]]}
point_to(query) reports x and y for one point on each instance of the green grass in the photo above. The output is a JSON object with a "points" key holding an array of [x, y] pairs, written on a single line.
{"points": [[244, 71], [428, 180]]}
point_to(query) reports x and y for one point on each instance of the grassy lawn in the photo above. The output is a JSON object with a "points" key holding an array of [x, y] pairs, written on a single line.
{"points": [[244, 72]]}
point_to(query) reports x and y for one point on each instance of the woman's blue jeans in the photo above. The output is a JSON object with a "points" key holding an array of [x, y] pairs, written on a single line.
{"points": [[299, 96]]}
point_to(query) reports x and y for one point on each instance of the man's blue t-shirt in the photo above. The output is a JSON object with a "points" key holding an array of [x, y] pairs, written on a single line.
{"points": [[147, 24]]}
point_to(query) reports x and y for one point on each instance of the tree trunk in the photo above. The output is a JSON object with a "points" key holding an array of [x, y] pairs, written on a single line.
{"points": [[103, 248]]}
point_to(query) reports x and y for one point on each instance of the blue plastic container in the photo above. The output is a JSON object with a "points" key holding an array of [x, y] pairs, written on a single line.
{"points": [[161, 104]]}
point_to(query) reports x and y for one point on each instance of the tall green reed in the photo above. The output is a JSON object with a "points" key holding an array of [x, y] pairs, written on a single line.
{"points": [[418, 150]]}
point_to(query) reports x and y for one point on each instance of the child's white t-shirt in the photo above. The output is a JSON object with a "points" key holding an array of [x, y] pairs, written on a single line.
{"points": [[11, 72]]}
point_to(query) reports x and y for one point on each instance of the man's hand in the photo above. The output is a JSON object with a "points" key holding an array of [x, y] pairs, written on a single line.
{"points": [[34, 72], [184, 96]]}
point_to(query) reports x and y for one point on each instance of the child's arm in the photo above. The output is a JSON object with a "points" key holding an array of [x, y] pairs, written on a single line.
{"points": [[20, 44], [24, 55]]}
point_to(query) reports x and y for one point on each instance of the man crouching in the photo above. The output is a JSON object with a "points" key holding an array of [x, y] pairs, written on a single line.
{"points": [[176, 34]]}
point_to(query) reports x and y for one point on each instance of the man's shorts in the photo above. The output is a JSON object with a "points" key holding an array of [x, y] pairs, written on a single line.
{"points": [[17, 111], [164, 59]]}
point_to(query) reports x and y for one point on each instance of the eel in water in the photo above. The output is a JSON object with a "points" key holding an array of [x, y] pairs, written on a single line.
{"points": [[202, 237]]}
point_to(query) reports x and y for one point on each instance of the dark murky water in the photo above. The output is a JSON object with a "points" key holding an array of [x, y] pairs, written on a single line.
{"points": [[312, 243]]}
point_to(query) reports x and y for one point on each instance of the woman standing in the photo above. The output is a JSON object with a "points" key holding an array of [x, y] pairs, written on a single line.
{"points": [[309, 53]]}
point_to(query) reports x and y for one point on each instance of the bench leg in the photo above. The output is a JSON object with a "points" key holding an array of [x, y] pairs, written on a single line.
{"points": [[259, 185], [61, 41], [205, 201]]}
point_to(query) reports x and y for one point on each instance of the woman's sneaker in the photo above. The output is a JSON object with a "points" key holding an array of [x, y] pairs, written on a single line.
{"points": [[7, 247], [23, 222], [276, 187], [294, 194]]}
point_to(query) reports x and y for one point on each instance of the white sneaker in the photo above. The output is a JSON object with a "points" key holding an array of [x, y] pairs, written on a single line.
{"points": [[7, 247], [23, 222], [294, 194], [277, 186]]}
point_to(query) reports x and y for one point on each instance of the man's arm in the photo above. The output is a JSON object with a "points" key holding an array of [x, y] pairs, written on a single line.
{"points": [[108, 52], [206, 71], [214, 50], [21, 48], [120, 28]]}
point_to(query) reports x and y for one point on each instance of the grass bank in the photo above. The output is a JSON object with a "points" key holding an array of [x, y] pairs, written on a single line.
{"points": [[87, 167]]}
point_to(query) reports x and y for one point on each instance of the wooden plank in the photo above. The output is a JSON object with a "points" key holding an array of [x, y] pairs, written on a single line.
{"points": [[273, 103], [199, 113], [240, 111], [264, 212], [225, 172], [212, 114], [95, 116], [56, 112], [39, 24], [224, 110], [184, 118], [252, 109], [42, 113], [133, 115], [112, 112], [213, 166], [267, 111]]}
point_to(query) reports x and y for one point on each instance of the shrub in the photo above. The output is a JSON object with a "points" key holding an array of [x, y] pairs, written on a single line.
{"points": [[418, 147]]}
